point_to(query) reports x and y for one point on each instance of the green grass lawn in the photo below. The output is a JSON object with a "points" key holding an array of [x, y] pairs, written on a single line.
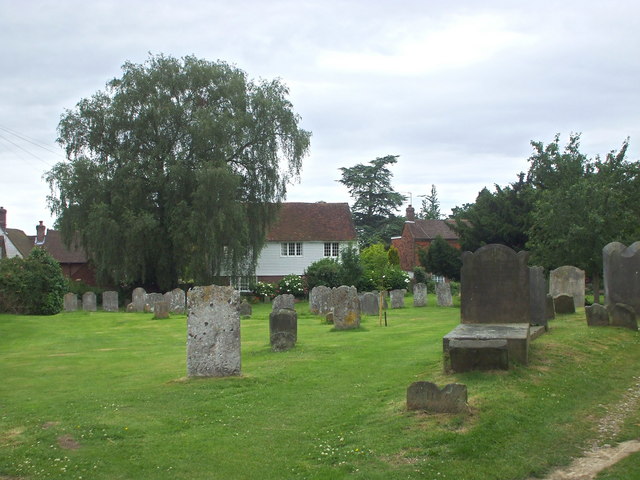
{"points": [[104, 396]]}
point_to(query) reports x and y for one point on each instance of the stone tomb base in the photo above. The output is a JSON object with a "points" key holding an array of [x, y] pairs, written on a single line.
{"points": [[493, 345]]}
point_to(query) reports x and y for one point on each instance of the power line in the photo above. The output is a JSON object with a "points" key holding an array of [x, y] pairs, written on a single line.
{"points": [[30, 140]]}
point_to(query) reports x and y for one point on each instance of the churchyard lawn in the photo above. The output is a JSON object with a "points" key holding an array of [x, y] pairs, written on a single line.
{"points": [[94, 395]]}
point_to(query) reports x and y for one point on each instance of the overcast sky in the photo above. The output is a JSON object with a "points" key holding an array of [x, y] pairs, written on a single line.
{"points": [[457, 89]]}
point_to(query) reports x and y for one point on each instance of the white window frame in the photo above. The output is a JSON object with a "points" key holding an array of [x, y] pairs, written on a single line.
{"points": [[242, 283], [291, 249], [332, 249]]}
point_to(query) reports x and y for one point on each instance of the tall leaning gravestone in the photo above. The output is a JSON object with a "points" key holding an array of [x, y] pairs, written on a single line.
{"points": [[213, 332], [621, 266]]}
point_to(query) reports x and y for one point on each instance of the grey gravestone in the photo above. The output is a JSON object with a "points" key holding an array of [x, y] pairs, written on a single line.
{"points": [[568, 280], [623, 316], [283, 329], [139, 299], [346, 308], [369, 304], [597, 315], [320, 300], [495, 286], [110, 301], [621, 267], [564, 304], [443, 294], [70, 302], [177, 301], [89, 302], [245, 309], [538, 296], [419, 295], [329, 318], [130, 308], [213, 332], [283, 301], [161, 310], [427, 396], [549, 309], [397, 298], [152, 299], [469, 354]]}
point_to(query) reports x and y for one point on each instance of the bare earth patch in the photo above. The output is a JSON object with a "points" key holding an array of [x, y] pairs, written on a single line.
{"points": [[67, 442]]}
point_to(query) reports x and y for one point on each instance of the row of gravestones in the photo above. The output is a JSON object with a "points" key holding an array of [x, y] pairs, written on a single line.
{"points": [[171, 302]]}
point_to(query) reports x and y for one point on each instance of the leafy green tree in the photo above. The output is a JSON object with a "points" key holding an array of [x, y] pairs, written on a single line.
{"points": [[441, 258], [430, 208], [326, 271], [375, 200], [175, 170], [352, 269], [393, 256]]}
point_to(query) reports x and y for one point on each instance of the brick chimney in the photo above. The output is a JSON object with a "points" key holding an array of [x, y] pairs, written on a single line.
{"points": [[3, 219], [411, 214], [40, 229]]}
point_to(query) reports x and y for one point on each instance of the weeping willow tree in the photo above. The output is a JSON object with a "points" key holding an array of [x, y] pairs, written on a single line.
{"points": [[175, 170]]}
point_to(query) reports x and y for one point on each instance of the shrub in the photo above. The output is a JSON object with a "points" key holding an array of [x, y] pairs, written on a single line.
{"points": [[393, 256], [395, 278], [292, 284], [263, 289], [420, 275], [327, 272], [352, 269]]}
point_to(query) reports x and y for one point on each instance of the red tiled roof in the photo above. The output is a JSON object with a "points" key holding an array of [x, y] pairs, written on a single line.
{"points": [[313, 222], [430, 229], [20, 240], [54, 244]]}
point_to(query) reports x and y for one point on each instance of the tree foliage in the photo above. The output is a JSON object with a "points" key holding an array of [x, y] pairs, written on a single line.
{"points": [[375, 200], [175, 170], [430, 206], [441, 258]]}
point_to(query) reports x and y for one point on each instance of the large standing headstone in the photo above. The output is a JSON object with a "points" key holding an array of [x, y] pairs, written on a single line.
{"points": [[213, 332], [419, 295], [568, 280], [110, 301], [443, 294], [177, 301], [70, 302], [538, 296], [427, 396], [564, 304], [283, 301], [320, 300], [346, 307], [495, 286], [152, 299], [397, 298], [597, 315], [369, 304], [283, 329], [89, 302], [621, 267], [139, 299], [623, 316]]}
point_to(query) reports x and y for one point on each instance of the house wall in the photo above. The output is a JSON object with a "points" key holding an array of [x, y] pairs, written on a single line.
{"points": [[272, 263], [10, 249], [408, 249]]}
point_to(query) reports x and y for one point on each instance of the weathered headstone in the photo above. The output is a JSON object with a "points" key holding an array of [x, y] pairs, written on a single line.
{"points": [[283, 301], [443, 294], [621, 266], [537, 296], [110, 301], [369, 304], [597, 315], [177, 301], [89, 302], [568, 280], [130, 307], [70, 302], [397, 298], [427, 396], [283, 329], [346, 307], [245, 309], [475, 354], [320, 300], [549, 309], [161, 310], [419, 295], [139, 299], [623, 316], [495, 286], [152, 299], [564, 304], [213, 332]]}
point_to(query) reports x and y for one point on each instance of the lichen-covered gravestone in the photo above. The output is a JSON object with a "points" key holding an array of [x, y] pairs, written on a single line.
{"points": [[110, 301], [443, 295], [369, 304], [621, 266], [597, 315], [346, 308], [397, 298], [320, 300], [213, 332], [70, 302], [564, 304], [427, 396], [283, 329], [285, 300], [139, 299], [177, 301], [419, 295], [89, 302], [568, 280], [152, 299]]}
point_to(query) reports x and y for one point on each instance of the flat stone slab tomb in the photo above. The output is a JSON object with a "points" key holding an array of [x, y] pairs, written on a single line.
{"points": [[474, 336]]}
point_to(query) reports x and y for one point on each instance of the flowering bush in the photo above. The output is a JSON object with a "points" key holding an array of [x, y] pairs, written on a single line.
{"points": [[263, 289], [292, 284], [395, 278]]}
